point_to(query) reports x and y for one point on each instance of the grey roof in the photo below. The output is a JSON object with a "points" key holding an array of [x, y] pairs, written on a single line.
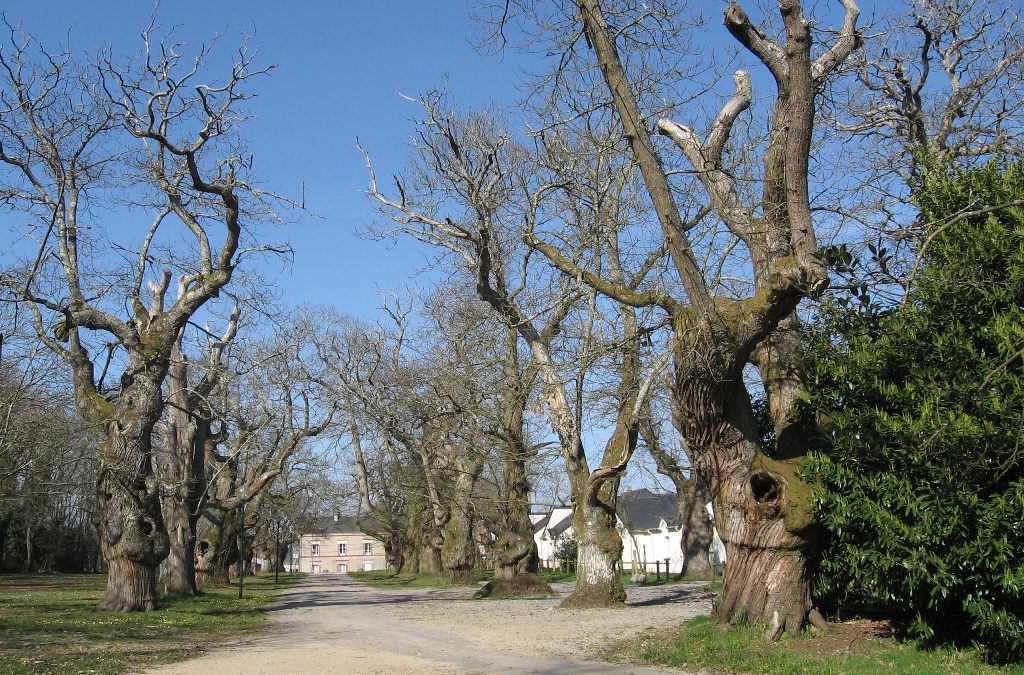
{"points": [[554, 529], [644, 510], [338, 525], [561, 526], [542, 523]]}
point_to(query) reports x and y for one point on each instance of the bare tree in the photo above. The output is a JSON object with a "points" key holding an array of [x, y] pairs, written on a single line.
{"points": [[48, 455], [471, 168], [157, 134], [762, 506], [940, 80], [180, 458], [271, 402]]}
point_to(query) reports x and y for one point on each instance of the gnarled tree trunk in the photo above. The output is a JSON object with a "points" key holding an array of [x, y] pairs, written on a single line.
{"points": [[599, 551], [131, 530], [762, 508], [516, 560], [459, 554]]}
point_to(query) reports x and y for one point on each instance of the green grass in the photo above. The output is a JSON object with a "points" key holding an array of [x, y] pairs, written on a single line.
{"points": [[49, 623], [700, 644]]}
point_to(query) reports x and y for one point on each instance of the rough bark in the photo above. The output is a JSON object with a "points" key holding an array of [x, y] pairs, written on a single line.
{"points": [[762, 507], [697, 531], [763, 510], [599, 550], [430, 562], [180, 462], [131, 530], [459, 553]]}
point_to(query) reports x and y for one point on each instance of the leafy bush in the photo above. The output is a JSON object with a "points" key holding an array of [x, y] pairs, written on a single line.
{"points": [[567, 552], [923, 497]]}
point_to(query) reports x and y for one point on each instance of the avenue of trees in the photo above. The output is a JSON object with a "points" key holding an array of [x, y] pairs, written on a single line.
{"points": [[785, 275]]}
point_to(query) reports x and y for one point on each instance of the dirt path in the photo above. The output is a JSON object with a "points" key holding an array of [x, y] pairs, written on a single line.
{"points": [[335, 624]]}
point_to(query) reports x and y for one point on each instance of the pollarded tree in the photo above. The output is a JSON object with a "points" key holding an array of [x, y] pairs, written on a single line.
{"points": [[75, 138], [269, 404], [763, 509], [468, 193]]}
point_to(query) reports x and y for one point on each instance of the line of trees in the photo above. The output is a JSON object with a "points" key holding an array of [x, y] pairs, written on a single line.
{"points": [[701, 286], [188, 436]]}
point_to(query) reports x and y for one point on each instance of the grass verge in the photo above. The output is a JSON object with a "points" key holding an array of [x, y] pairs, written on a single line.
{"points": [[859, 647], [49, 623]]}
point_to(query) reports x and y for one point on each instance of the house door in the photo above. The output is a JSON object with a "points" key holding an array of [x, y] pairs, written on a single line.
{"points": [[342, 568], [367, 566], [316, 568]]}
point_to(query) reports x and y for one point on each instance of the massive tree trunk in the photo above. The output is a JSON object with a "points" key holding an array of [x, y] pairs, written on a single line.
{"points": [[216, 527], [515, 551], [599, 551], [180, 464], [174, 467], [430, 562], [459, 554], [762, 508], [131, 530]]}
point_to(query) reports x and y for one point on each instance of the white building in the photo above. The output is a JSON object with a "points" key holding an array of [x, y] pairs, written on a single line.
{"points": [[648, 523], [337, 546]]}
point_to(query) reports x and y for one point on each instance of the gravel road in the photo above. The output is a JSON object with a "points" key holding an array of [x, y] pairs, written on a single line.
{"points": [[335, 624]]}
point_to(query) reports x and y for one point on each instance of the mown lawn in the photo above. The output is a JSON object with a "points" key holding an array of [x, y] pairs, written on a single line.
{"points": [[49, 623], [855, 648]]}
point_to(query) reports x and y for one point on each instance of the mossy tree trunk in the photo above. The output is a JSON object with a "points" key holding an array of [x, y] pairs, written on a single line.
{"points": [[132, 535], [599, 552], [459, 553], [762, 508]]}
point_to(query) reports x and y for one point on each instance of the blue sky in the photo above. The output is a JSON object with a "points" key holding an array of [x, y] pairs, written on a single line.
{"points": [[341, 68]]}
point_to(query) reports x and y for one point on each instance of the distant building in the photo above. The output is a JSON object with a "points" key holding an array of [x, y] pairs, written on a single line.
{"points": [[648, 523], [337, 546], [550, 529]]}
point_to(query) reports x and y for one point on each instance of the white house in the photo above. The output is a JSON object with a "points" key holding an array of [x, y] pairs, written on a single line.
{"points": [[648, 523], [337, 546], [550, 529]]}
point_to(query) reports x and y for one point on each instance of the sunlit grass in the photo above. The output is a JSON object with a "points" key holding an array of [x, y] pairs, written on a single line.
{"points": [[49, 623], [700, 644]]}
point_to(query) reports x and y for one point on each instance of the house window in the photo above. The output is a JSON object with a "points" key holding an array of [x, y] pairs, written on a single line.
{"points": [[316, 549], [342, 548], [367, 548]]}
